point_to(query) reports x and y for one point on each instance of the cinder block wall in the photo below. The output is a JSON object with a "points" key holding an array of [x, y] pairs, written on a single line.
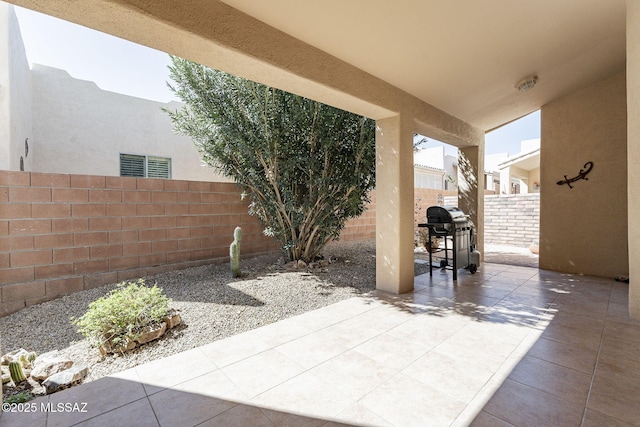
{"points": [[425, 197], [510, 219], [64, 233], [363, 227]]}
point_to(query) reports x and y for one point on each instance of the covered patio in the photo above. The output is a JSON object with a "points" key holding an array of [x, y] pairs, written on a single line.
{"points": [[509, 346], [446, 71]]}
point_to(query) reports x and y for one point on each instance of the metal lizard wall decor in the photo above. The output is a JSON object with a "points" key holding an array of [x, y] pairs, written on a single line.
{"points": [[581, 175]]}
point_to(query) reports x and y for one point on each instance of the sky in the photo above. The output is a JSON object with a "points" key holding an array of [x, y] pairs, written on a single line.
{"points": [[120, 66], [114, 64]]}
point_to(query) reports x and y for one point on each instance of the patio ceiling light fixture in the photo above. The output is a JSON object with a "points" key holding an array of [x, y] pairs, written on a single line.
{"points": [[527, 83]]}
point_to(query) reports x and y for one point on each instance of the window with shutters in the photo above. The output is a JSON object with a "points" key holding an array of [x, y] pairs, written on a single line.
{"points": [[145, 166]]}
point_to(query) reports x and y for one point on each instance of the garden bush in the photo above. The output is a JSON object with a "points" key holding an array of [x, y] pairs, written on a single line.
{"points": [[121, 315]]}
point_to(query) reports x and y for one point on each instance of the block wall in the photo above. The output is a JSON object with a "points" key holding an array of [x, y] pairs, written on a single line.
{"points": [[363, 227], [425, 197], [512, 219], [64, 233]]}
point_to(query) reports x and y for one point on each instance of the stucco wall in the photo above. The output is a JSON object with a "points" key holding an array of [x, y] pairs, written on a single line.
{"points": [[15, 87], [79, 128], [584, 229], [633, 127], [5, 149]]}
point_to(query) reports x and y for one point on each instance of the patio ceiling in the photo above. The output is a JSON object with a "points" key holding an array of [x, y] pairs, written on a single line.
{"points": [[463, 57]]}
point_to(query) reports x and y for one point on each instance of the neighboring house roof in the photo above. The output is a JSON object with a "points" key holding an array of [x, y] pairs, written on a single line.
{"points": [[428, 167], [528, 158], [430, 158], [491, 162]]}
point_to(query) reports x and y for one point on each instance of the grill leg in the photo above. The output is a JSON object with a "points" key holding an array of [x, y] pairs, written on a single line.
{"points": [[430, 256], [455, 253]]}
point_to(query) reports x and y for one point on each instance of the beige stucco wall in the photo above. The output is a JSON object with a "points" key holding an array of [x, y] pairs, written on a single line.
{"points": [[81, 129], [584, 229], [470, 190], [15, 104], [633, 151]]}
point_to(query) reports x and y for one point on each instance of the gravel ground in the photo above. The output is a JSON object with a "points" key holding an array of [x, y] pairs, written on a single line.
{"points": [[213, 305]]}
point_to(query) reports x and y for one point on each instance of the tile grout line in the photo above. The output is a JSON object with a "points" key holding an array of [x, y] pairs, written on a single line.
{"points": [[595, 367], [152, 408], [250, 399], [111, 410]]}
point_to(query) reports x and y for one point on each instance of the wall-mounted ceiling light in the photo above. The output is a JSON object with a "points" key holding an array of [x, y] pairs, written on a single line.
{"points": [[527, 83]]}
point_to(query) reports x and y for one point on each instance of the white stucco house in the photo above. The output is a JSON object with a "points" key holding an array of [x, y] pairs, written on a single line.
{"points": [[514, 174], [520, 173], [52, 122], [429, 169]]}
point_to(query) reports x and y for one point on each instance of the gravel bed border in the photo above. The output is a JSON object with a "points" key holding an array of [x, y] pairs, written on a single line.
{"points": [[213, 306]]}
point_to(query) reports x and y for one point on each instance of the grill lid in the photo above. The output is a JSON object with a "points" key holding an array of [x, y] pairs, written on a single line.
{"points": [[444, 214]]}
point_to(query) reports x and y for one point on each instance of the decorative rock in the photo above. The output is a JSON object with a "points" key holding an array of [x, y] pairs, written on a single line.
{"points": [[291, 265], [172, 320], [46, 365], [13, 355], [65, 378], [152, 334], [302, 264], [108, 347]]}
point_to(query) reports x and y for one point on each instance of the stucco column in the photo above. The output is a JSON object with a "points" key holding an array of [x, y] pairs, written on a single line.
{"points": [[633, 153], [470, 188], [394, 204]]}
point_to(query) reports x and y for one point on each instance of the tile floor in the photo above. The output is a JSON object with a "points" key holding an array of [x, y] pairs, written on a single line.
{"points": [[507, 346]]}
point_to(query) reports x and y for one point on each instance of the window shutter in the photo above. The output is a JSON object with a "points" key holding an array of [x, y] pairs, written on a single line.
{"points": [[158, 167], [131, 165]]}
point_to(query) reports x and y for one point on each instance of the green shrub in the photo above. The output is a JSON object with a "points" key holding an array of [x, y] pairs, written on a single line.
{"points": [[22, 397], [120, 316]]}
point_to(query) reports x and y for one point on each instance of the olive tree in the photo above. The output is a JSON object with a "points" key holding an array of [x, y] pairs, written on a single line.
{"points": [[306, 167]]}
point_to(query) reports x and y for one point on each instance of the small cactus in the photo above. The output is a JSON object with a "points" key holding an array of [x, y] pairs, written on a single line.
{"points": [[16, 372], [23, 360], [31, 357], [234, 252], [237, 236]]}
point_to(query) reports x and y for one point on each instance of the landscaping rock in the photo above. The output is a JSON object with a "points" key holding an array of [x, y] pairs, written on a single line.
{"points": [[65, 379], [46, 365], [152, 334], [292, 265], [13, 355], [108, 347], [172, 320]]}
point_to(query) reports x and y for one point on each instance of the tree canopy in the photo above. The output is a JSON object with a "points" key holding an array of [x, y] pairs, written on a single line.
{"points": [[306, 166]]}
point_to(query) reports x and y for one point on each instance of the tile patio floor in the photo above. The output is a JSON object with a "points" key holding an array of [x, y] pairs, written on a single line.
{"points": [[506, 346]]}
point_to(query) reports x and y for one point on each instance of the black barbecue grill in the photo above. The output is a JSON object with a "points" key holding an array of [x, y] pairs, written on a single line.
{"points": [[451, 223]]}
